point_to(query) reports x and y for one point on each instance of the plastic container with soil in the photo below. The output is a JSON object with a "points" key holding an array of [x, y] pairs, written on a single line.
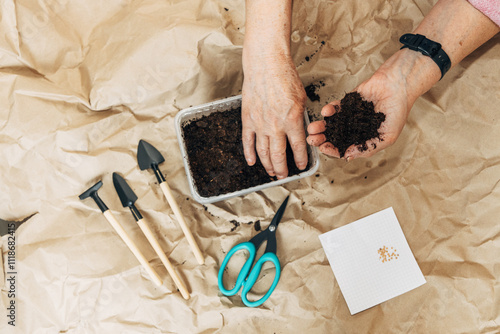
{"points": [[209, 137]]}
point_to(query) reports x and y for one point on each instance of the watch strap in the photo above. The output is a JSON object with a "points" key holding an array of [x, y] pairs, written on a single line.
{"points": [[428, 48]]}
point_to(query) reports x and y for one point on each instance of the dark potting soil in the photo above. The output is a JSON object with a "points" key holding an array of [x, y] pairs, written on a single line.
{"points": [[215, 154], [354, 124]]}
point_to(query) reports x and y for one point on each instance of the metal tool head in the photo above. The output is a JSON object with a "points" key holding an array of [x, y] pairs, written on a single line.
{"points": [[148, 156], [91, 190], [126, 194]]}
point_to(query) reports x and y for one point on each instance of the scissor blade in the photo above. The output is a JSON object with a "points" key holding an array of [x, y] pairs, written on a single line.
{"points": [[280, 212]]}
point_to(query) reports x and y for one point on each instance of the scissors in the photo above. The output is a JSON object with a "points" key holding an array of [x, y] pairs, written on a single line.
{"points": [[246, 277]]}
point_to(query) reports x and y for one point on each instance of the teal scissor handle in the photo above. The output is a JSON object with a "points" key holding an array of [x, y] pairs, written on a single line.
{"points": [[254, 274], [243, 272], [247, 278]]}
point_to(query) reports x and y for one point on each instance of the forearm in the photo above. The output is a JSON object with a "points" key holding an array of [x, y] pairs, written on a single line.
{"points": [[458, 27], [267, 29]]}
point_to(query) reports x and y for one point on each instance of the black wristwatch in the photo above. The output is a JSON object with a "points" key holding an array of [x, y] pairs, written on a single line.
{"points": [[429, 48]]}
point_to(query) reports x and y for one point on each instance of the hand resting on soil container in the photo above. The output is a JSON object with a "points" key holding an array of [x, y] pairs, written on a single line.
{"points": [[272, 113], [273, 97]]}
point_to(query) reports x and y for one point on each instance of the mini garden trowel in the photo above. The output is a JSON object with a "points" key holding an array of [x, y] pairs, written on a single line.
{"points": [[150, 157], [128, 198], [92, 192]]}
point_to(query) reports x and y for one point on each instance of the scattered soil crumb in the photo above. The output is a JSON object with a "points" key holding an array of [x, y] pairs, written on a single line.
{"points": [[235, 225], [312, 90], [257, 225]]}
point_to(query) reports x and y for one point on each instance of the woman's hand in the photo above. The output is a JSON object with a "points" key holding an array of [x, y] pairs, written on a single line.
{"points": [[392, 89], [273, 95], [389, 96], [272, 113]]}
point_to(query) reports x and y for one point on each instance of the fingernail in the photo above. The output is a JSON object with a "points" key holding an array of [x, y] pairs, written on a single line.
{"points": [[271, 172], [280, 177], [302, 166]]}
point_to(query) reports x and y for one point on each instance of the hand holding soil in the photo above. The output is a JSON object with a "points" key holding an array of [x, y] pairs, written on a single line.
{"points": [[388, 97]]}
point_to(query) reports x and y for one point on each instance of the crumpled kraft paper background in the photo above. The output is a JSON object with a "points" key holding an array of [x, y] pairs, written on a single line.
{"points": [[82, 81]]}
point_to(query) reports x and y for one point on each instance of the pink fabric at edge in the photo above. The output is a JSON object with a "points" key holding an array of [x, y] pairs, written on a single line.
{"points": [[490, 8]]}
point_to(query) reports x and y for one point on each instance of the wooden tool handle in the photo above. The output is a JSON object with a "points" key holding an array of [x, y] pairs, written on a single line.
{"points": [[133, 247], [180, 218], [156, 246]]}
